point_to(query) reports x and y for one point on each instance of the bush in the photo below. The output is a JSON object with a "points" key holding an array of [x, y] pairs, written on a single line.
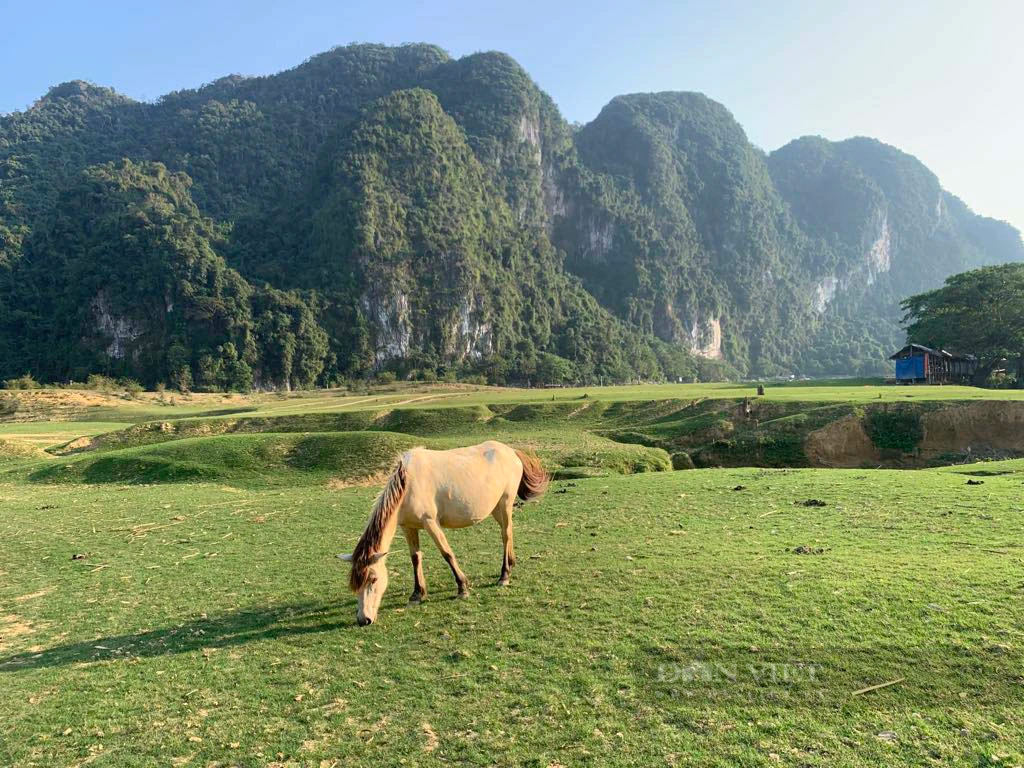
{"points": [[1000, 380], [181, 379], [131, 386], [9, 405], [101, 383], [386, 377], [24, 381], [682, 460]]}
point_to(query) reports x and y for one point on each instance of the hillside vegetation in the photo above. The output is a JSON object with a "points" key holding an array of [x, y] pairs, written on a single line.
{"points": [[380, 208]]}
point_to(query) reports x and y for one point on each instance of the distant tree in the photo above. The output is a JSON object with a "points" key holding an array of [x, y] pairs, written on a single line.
{"points": [[552, 369], [979, 312]]}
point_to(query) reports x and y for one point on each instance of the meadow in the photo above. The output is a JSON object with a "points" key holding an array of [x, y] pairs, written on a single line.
{"points": [[171, 595]]}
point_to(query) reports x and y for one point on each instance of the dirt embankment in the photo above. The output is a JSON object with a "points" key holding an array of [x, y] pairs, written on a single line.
{"points": [[948, 434], [843, 443], [981, 429]]}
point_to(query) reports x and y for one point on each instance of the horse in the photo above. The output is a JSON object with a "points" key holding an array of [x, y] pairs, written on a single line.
{"points": [[433, 490]]}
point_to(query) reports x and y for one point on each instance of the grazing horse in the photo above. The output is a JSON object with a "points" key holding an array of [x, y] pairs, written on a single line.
{"points": [[433, 490]]}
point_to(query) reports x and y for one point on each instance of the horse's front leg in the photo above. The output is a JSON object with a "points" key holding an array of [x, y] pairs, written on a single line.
{"points": [[419, 590], [437, 534]]}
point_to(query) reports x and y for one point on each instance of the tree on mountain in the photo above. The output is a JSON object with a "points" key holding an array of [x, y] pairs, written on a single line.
{"points": [[980, 312]]}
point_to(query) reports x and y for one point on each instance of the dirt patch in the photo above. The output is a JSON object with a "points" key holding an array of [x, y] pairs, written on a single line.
{"points": [[34, 595], [376, 479], [843, 443], [79, 444], [11, 627]]}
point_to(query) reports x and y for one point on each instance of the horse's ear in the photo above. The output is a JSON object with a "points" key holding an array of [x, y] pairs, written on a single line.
{"points": [[377, 557], [346, 557]]}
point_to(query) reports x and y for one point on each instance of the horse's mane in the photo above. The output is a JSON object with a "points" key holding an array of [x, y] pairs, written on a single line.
{"points": [[383, 510], [534, 480]]}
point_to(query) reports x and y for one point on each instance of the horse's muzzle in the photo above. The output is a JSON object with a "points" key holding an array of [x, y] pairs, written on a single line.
{"points": [[363, 621]]}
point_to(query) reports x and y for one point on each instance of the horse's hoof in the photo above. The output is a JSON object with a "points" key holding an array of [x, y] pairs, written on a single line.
{"points": [[463, 594], [503, 582], [416, 599]]}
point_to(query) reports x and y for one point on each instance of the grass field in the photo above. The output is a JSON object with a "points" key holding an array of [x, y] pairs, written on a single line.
{"points": [[179, 603]]}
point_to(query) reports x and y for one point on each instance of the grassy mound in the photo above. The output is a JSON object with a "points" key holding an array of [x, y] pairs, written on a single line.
{"points": [[153, 432], [245, 459], [622, 459], [434, 421]]}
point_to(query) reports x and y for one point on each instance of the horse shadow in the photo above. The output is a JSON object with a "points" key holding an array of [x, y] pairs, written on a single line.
{"points": [[214, 632]]}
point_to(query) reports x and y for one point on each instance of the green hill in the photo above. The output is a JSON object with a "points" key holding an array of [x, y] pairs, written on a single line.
{"points": [[393, 208]]}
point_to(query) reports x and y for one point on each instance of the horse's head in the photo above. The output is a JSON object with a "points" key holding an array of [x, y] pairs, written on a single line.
{"points": [[369, 580]]}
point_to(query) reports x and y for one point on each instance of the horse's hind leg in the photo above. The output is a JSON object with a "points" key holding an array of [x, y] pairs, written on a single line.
{"points": [[503, 514], [437, 534], [419, 590]]}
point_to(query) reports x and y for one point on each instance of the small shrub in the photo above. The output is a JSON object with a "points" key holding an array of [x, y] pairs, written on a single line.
{"points": [[131, 386], [101, 383], [1000, 380], [9, 405], [24, 381], [386, 377], [682, 460]]}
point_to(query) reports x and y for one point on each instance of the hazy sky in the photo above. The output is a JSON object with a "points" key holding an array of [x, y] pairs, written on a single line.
{"points": [[941, 79]]}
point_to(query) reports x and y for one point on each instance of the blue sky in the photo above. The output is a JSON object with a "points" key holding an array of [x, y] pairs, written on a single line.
{"points": [[941, 79]]}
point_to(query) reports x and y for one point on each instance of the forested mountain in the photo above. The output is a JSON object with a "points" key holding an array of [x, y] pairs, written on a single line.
{"points": [[390, 208]]}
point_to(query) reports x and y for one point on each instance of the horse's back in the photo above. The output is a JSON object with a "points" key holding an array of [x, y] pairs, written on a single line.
{"points": [[461, 485]]}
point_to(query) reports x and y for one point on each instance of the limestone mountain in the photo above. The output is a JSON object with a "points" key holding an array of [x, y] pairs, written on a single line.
{"points": [[393, 208]]}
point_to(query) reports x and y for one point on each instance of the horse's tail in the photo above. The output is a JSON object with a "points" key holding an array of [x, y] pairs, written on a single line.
{"points": [[535, 480], [384, 509]]}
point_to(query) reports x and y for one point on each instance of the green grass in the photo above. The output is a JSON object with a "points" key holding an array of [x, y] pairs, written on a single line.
{"points": [[645, 619], [705, 617]]}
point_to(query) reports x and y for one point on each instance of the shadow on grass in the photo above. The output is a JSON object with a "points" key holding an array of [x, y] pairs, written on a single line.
{"points": [[224, 631]]}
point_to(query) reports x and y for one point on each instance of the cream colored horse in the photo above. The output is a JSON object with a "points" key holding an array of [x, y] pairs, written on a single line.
{"points": [[433, 490]]}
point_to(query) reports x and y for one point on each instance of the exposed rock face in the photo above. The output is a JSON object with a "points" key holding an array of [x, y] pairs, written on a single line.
{"points": [[529, 131], [879, 257], [706, 338], [599, 237], [120, 330], [471, 336], [824, 292], [393, 325], [555, 205]]}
